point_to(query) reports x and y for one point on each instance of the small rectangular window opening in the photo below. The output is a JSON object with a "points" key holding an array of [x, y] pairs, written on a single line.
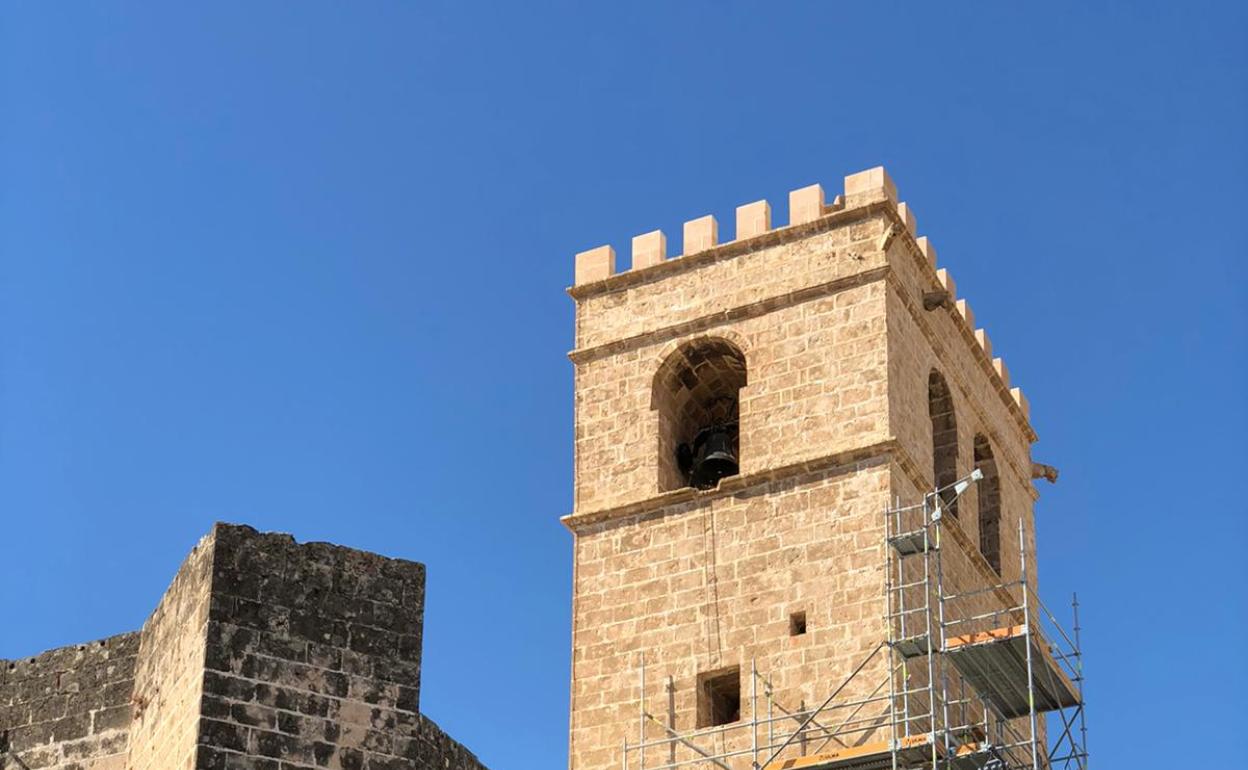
{"points": [[719, 697], [797, 623]]}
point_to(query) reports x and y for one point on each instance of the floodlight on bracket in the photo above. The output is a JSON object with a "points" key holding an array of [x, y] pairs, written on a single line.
{"points": [[958, 487]]}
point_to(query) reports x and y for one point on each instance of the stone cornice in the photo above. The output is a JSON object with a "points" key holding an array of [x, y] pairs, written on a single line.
{"points": [[664, 503], [741, 312], [871, 455]]}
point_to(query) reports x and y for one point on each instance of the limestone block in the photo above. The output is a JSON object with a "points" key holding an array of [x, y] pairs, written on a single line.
{"points": [[595, 264], [649, 249], [1022, 401], [964, 310], [872, 183], [700, 234], [985, 344], [929, 250], [806, 204], [907, 216], [998, 365], [753, 219]]}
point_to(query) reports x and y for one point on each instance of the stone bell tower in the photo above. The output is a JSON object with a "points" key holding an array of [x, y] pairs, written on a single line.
{"points": [[745, 413]]}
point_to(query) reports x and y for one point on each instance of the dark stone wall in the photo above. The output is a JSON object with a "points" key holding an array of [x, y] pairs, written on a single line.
{"points": [[310, 656], [313, 660], [69, 707], [429, 747]]}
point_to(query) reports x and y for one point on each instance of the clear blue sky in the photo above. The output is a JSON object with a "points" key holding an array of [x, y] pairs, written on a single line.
{"points": [[301, 265]]}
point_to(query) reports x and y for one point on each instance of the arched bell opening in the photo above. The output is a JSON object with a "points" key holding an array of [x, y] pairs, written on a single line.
{"points": [[989, 493], [697, 396], [944, 437]]}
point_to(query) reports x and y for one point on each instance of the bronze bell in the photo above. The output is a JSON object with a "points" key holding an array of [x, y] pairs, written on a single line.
{"points": [[711, 457]]}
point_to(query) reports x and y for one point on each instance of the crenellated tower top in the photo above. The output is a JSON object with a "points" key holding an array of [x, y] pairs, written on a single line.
{"points": [[809, 211], [818, 262]]}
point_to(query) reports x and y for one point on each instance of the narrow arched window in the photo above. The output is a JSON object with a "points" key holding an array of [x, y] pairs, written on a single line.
{"points": [[989, 492], [944, 436], [697, 395]]}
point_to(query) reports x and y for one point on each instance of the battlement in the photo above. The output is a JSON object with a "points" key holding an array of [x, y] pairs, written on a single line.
{"points": [[871, 193], [753, 221]]}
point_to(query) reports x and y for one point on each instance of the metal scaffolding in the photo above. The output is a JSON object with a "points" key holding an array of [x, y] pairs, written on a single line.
{"points": [[975, 678]]}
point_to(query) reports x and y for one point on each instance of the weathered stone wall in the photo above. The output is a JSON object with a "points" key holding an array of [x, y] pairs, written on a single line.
{"points": [[264, 654], [69, 707], [313, 655], [169, 678]]}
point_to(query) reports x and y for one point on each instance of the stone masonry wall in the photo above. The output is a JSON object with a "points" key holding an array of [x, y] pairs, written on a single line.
{"points": [[711, 584], [169, 677], [313, 656], [264, 654], [816, 366], [716, 287], [920, 341], [69, 707]]}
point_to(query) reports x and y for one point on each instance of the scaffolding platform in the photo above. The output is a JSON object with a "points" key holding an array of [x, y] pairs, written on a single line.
{"points": [[912, 646], [995, 663], [912, 751], [912, 542]]}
